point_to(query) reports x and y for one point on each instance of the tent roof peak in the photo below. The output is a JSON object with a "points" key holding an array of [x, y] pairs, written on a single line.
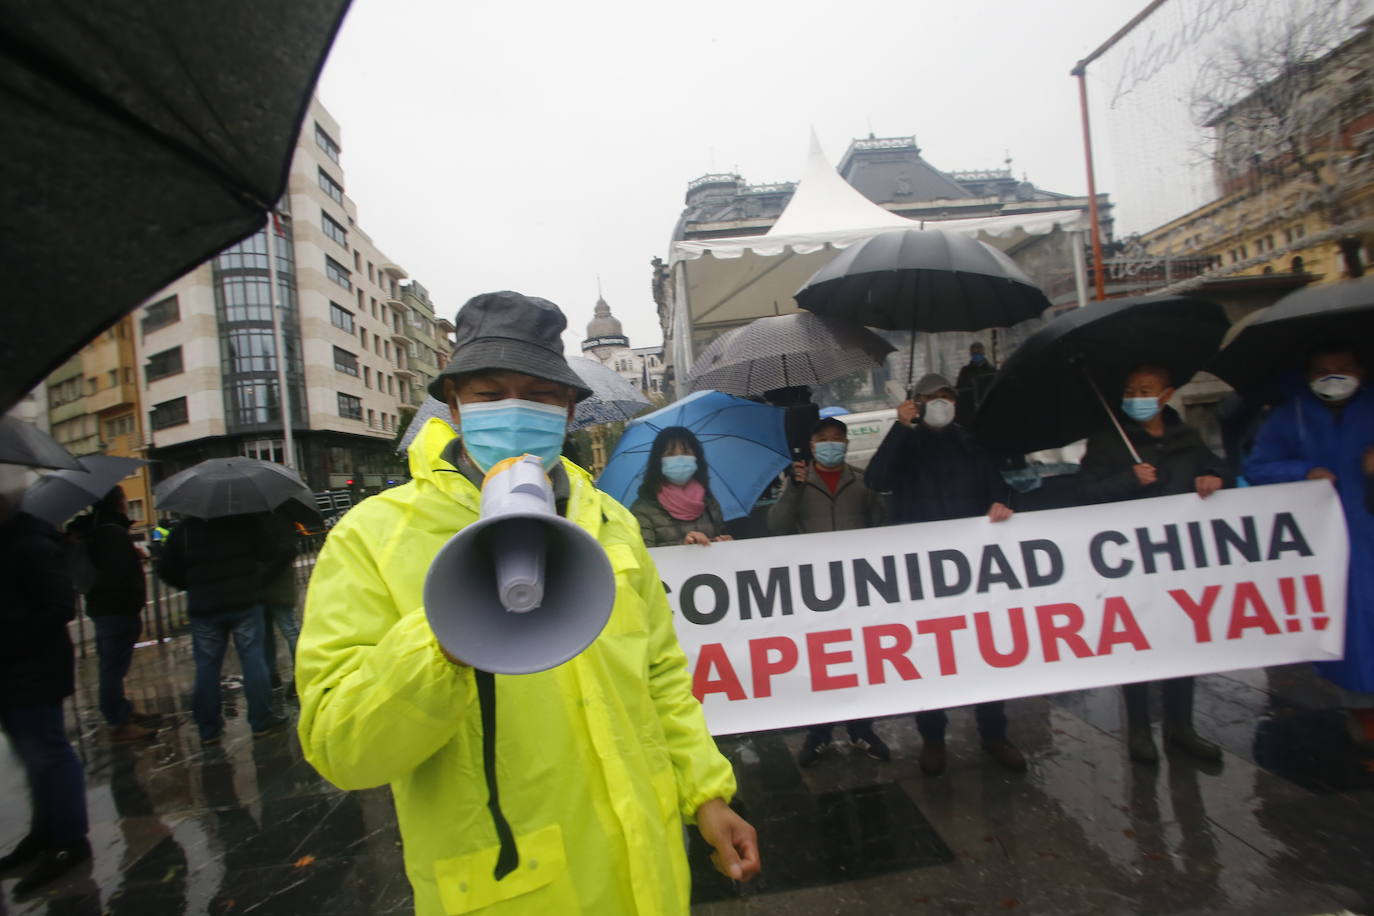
{"points": [[824, 201]]}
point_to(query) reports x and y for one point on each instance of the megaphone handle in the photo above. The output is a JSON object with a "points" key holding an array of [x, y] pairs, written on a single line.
{"points": [[509, 857]]}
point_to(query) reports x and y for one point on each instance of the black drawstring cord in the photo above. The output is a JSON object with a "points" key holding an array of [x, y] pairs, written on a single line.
{"points": [[509, 858]]}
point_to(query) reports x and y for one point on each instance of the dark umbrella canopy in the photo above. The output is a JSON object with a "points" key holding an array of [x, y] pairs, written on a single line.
{"points": [[24, 443], [230, 486], [141, 137], [62, 494], [1042, 398], [783, 351], [1277, 338], [924, 280]]}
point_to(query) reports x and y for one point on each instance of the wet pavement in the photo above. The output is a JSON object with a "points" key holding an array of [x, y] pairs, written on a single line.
{"points": [[1284, 825]]}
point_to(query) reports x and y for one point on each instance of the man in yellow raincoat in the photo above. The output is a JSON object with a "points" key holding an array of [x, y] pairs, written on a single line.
{"points": [[599, 761]]}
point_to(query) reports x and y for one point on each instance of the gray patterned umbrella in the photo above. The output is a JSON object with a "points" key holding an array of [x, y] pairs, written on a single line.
{"points": [[783, 351], [613, 399]]}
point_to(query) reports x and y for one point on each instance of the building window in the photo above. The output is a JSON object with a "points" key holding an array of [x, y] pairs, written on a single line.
{"points": [[160, 314], [168, 413], [374, 307], [345, 362], [161, 365], [263, 450], [330, 186], [253, 402], [119, 426], [367, 376], [387, 351], [134, 509], [371, 275], [250, 350], [350, 407], [246, 298], [337, 272], [371, 418], [391, 384], [326, 143], [334, 229], [362, 337], [340, 317]]}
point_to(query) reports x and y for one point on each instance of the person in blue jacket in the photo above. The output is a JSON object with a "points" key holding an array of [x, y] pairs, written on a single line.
{"points": [[1326, 432]]}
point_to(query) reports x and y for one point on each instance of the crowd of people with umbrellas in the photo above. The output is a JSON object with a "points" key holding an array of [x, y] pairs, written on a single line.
{"points": [[747, 454]]}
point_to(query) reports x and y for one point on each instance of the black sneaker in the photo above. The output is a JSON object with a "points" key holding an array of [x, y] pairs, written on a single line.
{"points": [[271, 727], [871, 745], [813, 750], [24, 852], [52, 865]]}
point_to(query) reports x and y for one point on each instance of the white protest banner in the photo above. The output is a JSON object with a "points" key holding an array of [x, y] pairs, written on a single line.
{"points": [[795, 630]]}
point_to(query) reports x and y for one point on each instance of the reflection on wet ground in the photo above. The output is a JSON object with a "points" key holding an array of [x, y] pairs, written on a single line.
{"points": [[1282, 826]]}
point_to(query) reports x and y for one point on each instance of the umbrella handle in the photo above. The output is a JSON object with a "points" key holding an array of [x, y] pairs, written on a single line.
{"points": [[1130, 447]]}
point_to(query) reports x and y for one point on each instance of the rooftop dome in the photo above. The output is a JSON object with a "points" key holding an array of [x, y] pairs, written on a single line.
{"points": [[604, 324]]}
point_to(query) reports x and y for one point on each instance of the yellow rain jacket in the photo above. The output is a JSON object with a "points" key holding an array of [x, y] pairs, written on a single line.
{"points": [[599, 761]]}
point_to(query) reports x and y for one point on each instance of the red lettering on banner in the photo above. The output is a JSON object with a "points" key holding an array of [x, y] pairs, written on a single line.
{"points": [[1020, 644], [821, 660], [1247, 595], [764, 668], [713, 655], [1119, 626], [1051, 633], [943, 628], [1198, 612], [875, 653]]}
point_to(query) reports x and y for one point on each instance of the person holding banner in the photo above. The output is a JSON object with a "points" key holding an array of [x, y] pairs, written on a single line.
{"points": [[578, 805], [675, 505], [935, 472], [1326, 432], [1172, 460], [829, 495]]}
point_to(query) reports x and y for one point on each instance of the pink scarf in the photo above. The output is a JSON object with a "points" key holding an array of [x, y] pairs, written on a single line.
{"points": [[684, 503]]}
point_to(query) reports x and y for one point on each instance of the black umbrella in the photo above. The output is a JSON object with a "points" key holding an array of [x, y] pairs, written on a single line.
{"points": [[230, 486], [24, 443], [783, 351], [141, 137], [1275, 339], [1053, 390], [923, 280], [62, 494]]}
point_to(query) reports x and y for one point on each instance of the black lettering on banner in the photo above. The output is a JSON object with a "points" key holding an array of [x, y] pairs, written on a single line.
{"points": [[1287, 536], [1198, 544], [886, 585], [1245, 542], [913, 576], [1002, 574], [1035, 578], [1100, 540], [942, 587], [1170, 545], [808, 586], [688, 602], [779, 592]]}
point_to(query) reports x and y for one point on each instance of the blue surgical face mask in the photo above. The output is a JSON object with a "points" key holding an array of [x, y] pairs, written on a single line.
{"points": [[496, 430], [678, 469], [829, 454], [1140, 409], [978, 359]]}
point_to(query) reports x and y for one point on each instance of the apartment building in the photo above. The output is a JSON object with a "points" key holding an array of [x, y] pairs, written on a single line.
{"points": [[209, 349]]}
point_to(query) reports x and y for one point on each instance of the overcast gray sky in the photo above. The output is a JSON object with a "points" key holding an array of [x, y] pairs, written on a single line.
{"points": [[535, 146]]}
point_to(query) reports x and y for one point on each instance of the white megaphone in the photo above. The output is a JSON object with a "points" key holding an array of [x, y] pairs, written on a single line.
{"points": [[521, 589]]}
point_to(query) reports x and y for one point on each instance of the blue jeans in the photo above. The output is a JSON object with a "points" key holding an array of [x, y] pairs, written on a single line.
{"points": [[115, 636], [57, 788], [209, 641], [281, 618]]}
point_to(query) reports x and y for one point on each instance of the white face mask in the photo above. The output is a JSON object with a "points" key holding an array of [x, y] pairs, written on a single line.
{"points": [[938, 414], [1334, 387]]}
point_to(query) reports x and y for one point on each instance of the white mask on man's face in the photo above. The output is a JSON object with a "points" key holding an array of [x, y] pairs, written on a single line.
{"points": [[1334, 387], [938, 413]]}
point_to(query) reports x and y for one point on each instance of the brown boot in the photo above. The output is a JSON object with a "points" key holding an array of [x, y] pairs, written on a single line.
{"points": [[130, 731]]}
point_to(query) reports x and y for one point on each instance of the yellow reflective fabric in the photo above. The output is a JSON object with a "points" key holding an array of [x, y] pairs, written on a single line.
{"points": [[599, 760]]}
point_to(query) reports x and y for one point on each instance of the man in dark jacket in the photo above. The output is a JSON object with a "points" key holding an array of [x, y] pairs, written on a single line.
{"points": [[279, 592], [1173, 460], [222, 564], [115, 606], [973, 381], [935, 472], [825, 494], [36, 674]]}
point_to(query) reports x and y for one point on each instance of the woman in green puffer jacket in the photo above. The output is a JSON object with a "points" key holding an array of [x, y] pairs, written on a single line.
{"points": [[675, 505]]}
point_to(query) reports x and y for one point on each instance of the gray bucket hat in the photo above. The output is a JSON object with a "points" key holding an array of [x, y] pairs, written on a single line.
{"points": [[511, 332], [930, 383]]}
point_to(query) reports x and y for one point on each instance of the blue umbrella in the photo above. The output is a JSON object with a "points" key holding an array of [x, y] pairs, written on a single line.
{"points": [[827, 412], [745, 444]]}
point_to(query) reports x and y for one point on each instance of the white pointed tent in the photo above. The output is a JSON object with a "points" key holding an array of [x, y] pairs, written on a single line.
{"points": [[721, 283]]}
